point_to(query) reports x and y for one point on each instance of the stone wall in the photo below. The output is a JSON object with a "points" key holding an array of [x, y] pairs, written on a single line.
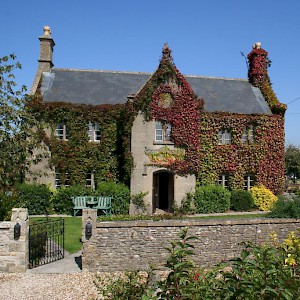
{"points": [[14, 251], [131, 245]]}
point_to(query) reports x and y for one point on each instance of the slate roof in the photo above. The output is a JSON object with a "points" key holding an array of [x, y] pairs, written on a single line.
{"points": [[109, 87]]}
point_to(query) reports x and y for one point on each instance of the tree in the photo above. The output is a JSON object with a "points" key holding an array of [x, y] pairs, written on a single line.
{"points": [[18, 127], [292, 161]]}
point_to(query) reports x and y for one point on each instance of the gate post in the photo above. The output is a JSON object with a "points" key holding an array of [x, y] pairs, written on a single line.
{"points": [[19, 247], [88, 216]]}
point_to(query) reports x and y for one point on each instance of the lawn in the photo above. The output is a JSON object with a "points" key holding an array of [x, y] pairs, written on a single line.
{"points": [[72, 232]]}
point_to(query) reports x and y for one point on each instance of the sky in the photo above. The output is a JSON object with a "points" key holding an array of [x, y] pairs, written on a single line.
{"points": [[206, 38]]}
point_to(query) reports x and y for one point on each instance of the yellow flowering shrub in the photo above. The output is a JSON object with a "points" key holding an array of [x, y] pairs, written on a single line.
{"points": [[263, 198]]}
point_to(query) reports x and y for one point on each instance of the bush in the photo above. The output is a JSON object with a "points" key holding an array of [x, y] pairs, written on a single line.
{"points": [[120, 194], [35, 197], [286, 208], [62, 199], [187, 205], [6, 204], [212, 199], [263, 198], [241, 200]]}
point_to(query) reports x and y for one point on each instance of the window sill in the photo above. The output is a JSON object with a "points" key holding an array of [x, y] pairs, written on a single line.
{"points": [[163, 143]]}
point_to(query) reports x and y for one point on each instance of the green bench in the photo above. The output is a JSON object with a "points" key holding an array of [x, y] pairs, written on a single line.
{"points": [[98, 203]]}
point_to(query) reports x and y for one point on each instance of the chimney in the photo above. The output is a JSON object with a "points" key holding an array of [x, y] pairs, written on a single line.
{"points": [[258, 64], [45, 59]]}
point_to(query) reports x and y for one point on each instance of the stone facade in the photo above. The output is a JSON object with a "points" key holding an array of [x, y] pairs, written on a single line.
{"points": [[14, 252], [136, 245], [146, 176]]}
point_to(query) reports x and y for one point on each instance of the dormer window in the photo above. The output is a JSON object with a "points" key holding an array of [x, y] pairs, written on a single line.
{"points": [[62, 131], [163, 132], [248, 135], [224, 137], [94, 132]]}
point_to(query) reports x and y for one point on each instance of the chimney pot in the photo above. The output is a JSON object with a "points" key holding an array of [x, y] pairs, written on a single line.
{"points": [[47, 30]]}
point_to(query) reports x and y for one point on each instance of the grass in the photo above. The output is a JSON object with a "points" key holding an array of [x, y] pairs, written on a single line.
{"points": [[72, 232]]}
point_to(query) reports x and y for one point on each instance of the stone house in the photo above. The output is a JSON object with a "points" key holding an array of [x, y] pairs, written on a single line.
{"points": [[162, 133]]}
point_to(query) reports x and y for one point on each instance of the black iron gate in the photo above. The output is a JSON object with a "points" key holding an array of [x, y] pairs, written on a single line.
{"points": [[46, 242]]}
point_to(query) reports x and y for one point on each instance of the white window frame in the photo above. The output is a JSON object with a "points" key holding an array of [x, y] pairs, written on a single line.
{"points": [[224, 180], [248, 135], [90, 180], [57, 181], [94, 132], [249, 181], [224, 137], [163, 132], [61, 132]]}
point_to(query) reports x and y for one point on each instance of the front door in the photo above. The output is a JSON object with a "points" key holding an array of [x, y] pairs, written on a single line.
{"points": [[163, 191]]}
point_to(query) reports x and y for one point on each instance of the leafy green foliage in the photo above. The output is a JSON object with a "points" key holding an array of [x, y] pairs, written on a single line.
{"points": [[36, 197], [129, 286], [18, 125], [292, 161], [120, 194], [138, 202], [211, 199], [6, 204], [104, 218], [286, 207], [241, 200], [177, 284]]}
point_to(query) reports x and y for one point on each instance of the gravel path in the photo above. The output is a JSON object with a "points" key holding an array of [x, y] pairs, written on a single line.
{"points": [[75, 286]]}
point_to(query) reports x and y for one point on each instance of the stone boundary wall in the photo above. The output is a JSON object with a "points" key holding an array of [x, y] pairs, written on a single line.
{"points": [[14, 252], [136, 245]]}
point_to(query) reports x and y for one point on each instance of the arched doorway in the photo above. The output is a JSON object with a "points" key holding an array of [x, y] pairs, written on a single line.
{"points": [[163, 191]]}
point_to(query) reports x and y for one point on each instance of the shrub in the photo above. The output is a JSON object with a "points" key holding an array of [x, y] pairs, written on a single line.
{"points": [[286, 208], [187, 205], [62, 199], [35, 197], [263, 198], [120, 194], [210, 199], [6, 204], [241, 200], [139, 203]]}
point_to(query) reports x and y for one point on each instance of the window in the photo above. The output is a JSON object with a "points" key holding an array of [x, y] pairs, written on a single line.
{"points": [[248, 182], [162, 132], [223, 180], [94, 132], [90, 180], [224, 137], [62, 132], [58, 180], [248, 135]]}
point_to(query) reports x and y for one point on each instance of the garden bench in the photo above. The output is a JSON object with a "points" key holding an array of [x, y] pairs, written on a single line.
{"points": [[104, 204], [79, 204]]}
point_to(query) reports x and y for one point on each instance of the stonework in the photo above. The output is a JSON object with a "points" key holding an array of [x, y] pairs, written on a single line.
{"points": [[14, 252], [136, 245]]}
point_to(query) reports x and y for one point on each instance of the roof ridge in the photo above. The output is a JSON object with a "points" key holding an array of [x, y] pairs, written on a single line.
{"points": [[101, 71], [214, 77], [144, 73]]}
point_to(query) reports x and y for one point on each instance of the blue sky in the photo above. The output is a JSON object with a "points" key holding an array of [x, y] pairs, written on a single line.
{"points": [[206, 37]]}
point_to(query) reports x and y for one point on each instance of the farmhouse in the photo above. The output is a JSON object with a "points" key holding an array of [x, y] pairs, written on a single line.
{"points": [[162, 133]]}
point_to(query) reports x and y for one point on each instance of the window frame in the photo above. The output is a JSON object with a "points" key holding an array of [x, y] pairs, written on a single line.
{"points": [[62, 131], [223, 180], [164, 132], [90, 181], [58, 182], [248, 134], [94, 133], [224, 137], [249, 181]]}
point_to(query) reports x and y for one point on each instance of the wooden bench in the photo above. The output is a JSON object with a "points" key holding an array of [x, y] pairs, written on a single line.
{"points": [[104, 204], [79, 204], [83, 202]]}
